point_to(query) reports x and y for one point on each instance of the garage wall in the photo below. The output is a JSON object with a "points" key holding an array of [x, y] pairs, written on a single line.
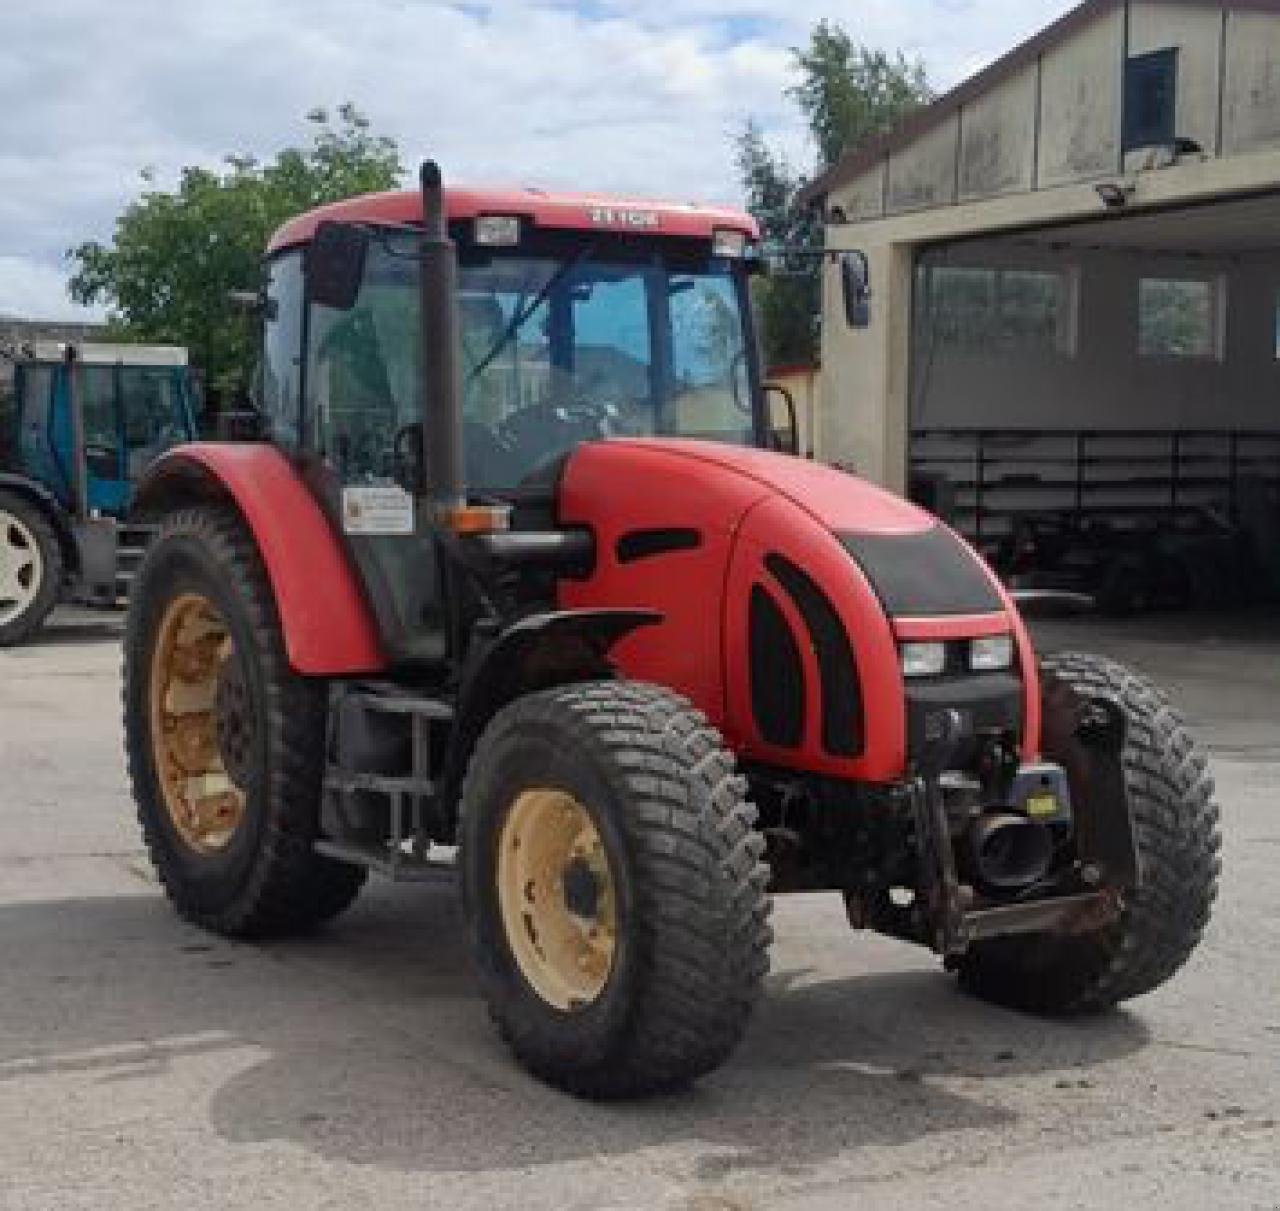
{"points": [[1055, 119], [1106, 384]]}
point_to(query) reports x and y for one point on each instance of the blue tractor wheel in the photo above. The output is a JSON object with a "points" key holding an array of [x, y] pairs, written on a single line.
{"points": [[31, 568]]}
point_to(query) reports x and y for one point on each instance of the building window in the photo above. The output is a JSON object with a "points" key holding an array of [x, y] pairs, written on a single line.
{"points": [[1180, 317], [1001, 309], [1150, 99]]}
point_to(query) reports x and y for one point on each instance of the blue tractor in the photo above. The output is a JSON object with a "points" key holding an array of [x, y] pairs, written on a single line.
{"points": [[81, 425]]}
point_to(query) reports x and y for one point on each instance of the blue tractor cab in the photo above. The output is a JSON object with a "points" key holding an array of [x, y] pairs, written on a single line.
{"points": [[82, 424]]}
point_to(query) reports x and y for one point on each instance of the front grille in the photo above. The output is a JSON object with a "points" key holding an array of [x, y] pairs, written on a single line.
{"points": [[986, 702]]}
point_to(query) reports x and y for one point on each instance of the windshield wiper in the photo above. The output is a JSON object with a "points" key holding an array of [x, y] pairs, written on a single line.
{"points": [[522, 314]]}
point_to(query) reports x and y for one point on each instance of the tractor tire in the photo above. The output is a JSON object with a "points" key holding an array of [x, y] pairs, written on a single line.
{"points": [[613, 887], [1175, 823], [31, 569], [225, 743]]}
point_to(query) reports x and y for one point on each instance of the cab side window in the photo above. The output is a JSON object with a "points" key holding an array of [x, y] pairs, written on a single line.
{"points": [[282, 349]]}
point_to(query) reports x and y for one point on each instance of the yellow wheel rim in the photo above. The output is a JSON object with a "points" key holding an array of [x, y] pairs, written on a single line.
{"points": [[198, 709], [556, 893]]}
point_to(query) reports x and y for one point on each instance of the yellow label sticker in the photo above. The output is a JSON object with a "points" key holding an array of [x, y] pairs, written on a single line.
{"points": [[1042, 805]]}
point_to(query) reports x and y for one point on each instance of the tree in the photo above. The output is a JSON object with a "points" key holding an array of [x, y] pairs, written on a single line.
{"points": [[175, 255], [847, 94], [788, 302]]}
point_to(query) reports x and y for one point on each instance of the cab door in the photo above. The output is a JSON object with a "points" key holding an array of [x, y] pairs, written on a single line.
{"points": [[47, 445], [106, 474]]}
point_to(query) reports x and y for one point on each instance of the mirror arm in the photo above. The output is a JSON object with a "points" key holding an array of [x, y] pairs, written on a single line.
{"points": [[792, 415]]}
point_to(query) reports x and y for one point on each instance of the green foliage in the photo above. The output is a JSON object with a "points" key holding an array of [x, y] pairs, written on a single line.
{"points": [[847, 94], [175, 255], [850, 94], [787, 302]]}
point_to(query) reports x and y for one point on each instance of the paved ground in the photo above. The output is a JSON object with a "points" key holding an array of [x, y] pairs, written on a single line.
{"points": [[144, 1064]]}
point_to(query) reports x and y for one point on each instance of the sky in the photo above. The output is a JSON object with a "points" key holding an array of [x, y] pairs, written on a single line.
{"points": [[635, 96]]}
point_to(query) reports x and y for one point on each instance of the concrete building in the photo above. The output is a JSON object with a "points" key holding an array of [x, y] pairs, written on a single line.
{"points": [[1074, 256]]}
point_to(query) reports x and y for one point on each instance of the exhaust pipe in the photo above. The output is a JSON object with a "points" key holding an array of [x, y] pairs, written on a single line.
{"points": [[1010, 852], [441, 386]]}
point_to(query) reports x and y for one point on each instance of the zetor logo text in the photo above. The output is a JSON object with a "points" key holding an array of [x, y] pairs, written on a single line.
{"points": [[610, 216]]}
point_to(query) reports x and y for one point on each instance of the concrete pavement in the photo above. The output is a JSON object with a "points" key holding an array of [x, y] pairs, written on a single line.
{"points": [[145, 1064]]}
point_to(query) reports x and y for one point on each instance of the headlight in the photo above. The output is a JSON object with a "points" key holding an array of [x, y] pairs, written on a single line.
{"points": [[923, 659], [991, 653]]}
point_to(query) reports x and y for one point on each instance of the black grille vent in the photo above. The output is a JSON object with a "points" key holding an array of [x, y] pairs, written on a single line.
{"points": [[777, 676], [645, 544], [842, 729]]}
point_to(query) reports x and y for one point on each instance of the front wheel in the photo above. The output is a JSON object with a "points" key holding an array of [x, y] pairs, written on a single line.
{"points": [[613, 888], [30, 569], [1175, 826], [225, 743]]}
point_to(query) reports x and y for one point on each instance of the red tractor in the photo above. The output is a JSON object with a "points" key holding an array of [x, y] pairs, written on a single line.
{"points": [[518, 579]]}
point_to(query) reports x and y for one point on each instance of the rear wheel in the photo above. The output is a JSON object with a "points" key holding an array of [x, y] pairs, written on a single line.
{"points": [[1175, 825], [225, 743], [613, 888], [30, 569]]}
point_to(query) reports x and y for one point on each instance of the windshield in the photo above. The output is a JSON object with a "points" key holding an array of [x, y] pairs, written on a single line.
{"points": [[555, 349]]}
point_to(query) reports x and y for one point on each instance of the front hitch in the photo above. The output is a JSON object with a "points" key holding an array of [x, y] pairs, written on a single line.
{"points": [[1091, 742]]}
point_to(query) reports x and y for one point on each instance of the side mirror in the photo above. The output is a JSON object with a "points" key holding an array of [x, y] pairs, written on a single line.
{"points": [[334, 265], [784, 433], [855, 283]]}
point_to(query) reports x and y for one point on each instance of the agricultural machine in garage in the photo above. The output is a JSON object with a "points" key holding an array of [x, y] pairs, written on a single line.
{"points": [[517, 568], [85, 422]]}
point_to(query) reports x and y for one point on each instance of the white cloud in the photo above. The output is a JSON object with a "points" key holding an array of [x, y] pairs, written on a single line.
{"points": [[633, 95], [29, 288]]}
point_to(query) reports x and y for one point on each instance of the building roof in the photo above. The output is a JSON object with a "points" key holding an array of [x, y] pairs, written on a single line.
{"points": [[566, 211], [857, 160]]}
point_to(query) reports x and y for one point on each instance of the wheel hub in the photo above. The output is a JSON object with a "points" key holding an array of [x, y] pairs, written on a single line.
{"points": [[201, 723], [556, 893], [21, 567], [581, 890]]}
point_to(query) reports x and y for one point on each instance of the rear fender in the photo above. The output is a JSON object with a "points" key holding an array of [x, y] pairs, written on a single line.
{"points": [[329, 629]]}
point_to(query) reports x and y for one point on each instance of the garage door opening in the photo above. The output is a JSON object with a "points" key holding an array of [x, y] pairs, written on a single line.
{"points": [[1097, 406]]}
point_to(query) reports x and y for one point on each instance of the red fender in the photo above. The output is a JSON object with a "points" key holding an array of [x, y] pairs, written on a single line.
{"points": [[329, 630]]}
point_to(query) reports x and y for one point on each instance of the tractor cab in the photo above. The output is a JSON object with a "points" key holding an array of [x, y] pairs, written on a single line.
{"points": [[578, 318], [135, 402]]}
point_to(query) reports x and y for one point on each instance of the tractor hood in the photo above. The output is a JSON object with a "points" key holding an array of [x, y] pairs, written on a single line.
{"points": [[784, 589], [836, 500]]}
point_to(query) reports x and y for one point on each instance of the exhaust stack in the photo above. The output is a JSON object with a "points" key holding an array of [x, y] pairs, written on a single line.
{"points": [[441, 382]]}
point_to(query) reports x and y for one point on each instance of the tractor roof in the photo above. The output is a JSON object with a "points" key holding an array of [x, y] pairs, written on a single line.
{"points": [[565, 211], [97, 354]]}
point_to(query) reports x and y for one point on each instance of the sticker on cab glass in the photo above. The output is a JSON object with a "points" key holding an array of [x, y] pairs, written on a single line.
{"points": [[376, 509]]}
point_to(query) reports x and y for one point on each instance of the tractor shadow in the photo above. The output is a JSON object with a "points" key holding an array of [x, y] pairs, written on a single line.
{"points": [[368, 1045]]}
